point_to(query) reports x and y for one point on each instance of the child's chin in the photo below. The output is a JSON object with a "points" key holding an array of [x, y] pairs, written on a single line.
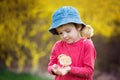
{"points": [[69, 42]]}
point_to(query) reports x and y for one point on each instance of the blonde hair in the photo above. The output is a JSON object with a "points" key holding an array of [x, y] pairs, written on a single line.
{"points": [[87, 31]]}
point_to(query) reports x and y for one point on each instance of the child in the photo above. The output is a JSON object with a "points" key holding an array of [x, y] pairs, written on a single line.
{"points": [[72, 57]]}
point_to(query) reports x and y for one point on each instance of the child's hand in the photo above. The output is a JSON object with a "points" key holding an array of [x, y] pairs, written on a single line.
{"points": [[56, 69], [65, 70]]}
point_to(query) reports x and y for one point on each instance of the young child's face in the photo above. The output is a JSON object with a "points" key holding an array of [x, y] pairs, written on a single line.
{"points": [[69, 33]]}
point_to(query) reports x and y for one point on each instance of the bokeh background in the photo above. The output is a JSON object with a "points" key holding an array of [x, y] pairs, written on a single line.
{"points": [[25, 43]]}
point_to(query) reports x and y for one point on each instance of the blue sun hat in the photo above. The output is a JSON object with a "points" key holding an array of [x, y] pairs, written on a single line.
{"points": [[65, 15]]}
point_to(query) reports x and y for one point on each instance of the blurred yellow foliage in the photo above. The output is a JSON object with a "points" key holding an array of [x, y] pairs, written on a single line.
{"points": [[8, 61]]}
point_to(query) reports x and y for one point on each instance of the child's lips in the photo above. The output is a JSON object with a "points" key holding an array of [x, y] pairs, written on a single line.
{"points": [[68, 40]]}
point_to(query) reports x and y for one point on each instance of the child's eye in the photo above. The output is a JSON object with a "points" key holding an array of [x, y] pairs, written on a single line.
{"points": [[68, 31], [60, 33]]}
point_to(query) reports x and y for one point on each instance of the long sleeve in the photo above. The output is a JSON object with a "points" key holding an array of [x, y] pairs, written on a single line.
{"points": [[88, 61], [53, 59]]}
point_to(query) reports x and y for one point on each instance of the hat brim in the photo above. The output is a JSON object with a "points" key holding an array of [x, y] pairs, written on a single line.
{"points": [[64, 21]]}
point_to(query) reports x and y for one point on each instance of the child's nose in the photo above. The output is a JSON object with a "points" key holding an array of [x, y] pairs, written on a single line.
{"points": [[64, 35]]}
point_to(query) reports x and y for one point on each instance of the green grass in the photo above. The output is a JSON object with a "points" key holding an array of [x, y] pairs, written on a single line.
{"points": [[8, 75]]}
